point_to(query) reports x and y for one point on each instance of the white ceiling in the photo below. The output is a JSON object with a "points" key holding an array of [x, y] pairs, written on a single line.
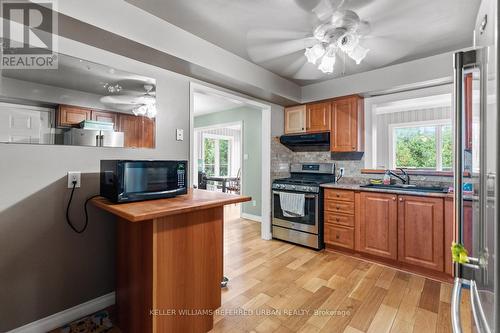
{"points": [[401, 30], [206, 102]]}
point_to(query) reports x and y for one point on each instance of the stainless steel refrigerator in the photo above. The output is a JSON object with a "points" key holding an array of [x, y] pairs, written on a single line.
{"points": [[97, 138], [476, 169]]}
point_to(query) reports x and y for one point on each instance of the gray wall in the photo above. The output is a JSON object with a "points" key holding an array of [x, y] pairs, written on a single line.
{"points": [[44, 266], [252, 145]]}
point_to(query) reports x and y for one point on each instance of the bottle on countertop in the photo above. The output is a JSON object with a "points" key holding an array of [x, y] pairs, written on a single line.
{"points": [[387, 178]]}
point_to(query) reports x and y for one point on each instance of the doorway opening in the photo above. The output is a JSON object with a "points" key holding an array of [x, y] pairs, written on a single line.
{"points": [[230, 150]]}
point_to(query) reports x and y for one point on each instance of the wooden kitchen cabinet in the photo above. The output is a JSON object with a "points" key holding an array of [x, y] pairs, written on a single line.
{"points": [[421, 231], [139, 131], [339, 218], [105, 116], [71, 116], [295, 119], [318, 117], [377, 225], [347, 124]]}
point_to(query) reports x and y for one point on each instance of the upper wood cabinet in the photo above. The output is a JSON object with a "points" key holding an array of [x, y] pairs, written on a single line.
{"points": [[71, 116], [377, 225], [318, 117], [421, 231], [295, 119], [139, 131], [104, 116], [347, 124]]}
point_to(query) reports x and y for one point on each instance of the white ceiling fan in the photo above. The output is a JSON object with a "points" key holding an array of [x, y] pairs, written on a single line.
{"points": [[147, 98], [337, 32], [143, 105]]}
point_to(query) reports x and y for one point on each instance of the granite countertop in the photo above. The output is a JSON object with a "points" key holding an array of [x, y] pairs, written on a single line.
{"points": [[357, 187]]}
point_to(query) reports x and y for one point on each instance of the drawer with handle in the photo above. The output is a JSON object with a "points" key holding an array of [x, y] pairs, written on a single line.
{"points": [[347, 220], [343, 195], [345, 207], [339, 236]]}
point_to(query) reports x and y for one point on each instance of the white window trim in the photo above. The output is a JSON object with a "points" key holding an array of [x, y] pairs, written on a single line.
{"points": [[218, 137], [439, 123]]}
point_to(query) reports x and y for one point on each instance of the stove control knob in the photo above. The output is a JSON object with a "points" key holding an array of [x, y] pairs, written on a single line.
{"points": [[293, 187]]}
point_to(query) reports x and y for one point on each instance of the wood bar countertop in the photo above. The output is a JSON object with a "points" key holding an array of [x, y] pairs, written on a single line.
{"points": [[151, 209]]}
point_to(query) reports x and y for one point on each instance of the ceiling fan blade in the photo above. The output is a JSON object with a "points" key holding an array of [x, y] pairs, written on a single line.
{"points": [[127, 99], [308, 71], [385, 50], [259, 35], [265, 45]]}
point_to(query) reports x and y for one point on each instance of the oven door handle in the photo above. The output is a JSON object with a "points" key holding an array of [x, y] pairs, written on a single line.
{"points": [[308, 196]]}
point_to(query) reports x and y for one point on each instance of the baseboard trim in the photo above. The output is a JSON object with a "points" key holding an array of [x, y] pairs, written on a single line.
{"points": [[252, 217], [66, 316]]}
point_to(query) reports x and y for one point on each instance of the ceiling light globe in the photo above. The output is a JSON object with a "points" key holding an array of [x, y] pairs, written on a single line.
{"points": [[358, 53], [327, 64], [313, 54]]}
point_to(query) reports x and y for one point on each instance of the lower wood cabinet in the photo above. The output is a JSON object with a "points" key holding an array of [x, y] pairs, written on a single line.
{"points": [[421, 231], [339, 218], [377, 225], [411, 231], [339, 235]]}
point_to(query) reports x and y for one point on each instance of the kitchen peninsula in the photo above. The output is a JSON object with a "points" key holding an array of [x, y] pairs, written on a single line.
{"points": [[169, 261]]}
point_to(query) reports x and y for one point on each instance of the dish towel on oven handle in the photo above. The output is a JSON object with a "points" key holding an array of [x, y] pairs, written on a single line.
{"points": [[292, 204]]}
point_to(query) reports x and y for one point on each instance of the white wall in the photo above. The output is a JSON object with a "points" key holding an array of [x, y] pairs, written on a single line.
{"points": [[418, 73]]}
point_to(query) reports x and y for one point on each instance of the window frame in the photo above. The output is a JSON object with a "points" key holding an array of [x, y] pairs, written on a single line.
{"points": [[217, 138], [439, 124]]}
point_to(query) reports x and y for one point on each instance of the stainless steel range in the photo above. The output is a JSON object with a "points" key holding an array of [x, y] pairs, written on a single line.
{"points": [[298, 204]]}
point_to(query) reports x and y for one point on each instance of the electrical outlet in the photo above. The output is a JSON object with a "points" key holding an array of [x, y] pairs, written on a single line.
{"points": [[254, 203], [74, 176], [179, 134]]}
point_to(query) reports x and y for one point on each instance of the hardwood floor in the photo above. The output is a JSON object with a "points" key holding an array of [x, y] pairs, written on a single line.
{"points": [[278, 287]]}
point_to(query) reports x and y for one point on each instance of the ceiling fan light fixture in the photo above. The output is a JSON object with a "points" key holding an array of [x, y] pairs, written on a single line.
{"points": [[327, 63], [348, 42], [314, 53], [358, 53]]}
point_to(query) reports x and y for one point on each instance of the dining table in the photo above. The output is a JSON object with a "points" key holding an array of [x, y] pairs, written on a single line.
{"points": [[224, 180]]}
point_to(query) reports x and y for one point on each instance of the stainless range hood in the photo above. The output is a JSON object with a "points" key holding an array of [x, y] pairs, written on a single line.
{"points": [[307, 142]]}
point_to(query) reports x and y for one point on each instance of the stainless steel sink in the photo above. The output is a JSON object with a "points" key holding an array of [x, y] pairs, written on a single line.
{"points": [[410, 188]]}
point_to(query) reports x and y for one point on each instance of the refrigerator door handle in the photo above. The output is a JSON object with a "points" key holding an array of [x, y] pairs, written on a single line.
{"points": [[456, 296], [477, 310]]}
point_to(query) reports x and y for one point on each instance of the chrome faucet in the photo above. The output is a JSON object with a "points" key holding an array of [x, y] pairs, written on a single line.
{"points": [[406, 177]]}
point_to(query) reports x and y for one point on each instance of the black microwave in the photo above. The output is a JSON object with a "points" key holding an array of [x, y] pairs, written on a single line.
{"points": [[136, 180]]}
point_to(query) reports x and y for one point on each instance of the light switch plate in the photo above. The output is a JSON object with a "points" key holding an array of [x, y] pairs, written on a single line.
{"points": [[179, 134], [245, 157], [74, 176]]}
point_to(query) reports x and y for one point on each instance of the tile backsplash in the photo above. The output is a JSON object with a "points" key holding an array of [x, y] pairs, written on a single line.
{"points": [[282, 158]]}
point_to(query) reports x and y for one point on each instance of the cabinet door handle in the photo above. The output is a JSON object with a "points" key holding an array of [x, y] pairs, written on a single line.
{"points": [[338, 207], [338, 195], [338, 219], [393, 198], [401, 199], [337, 236]]}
